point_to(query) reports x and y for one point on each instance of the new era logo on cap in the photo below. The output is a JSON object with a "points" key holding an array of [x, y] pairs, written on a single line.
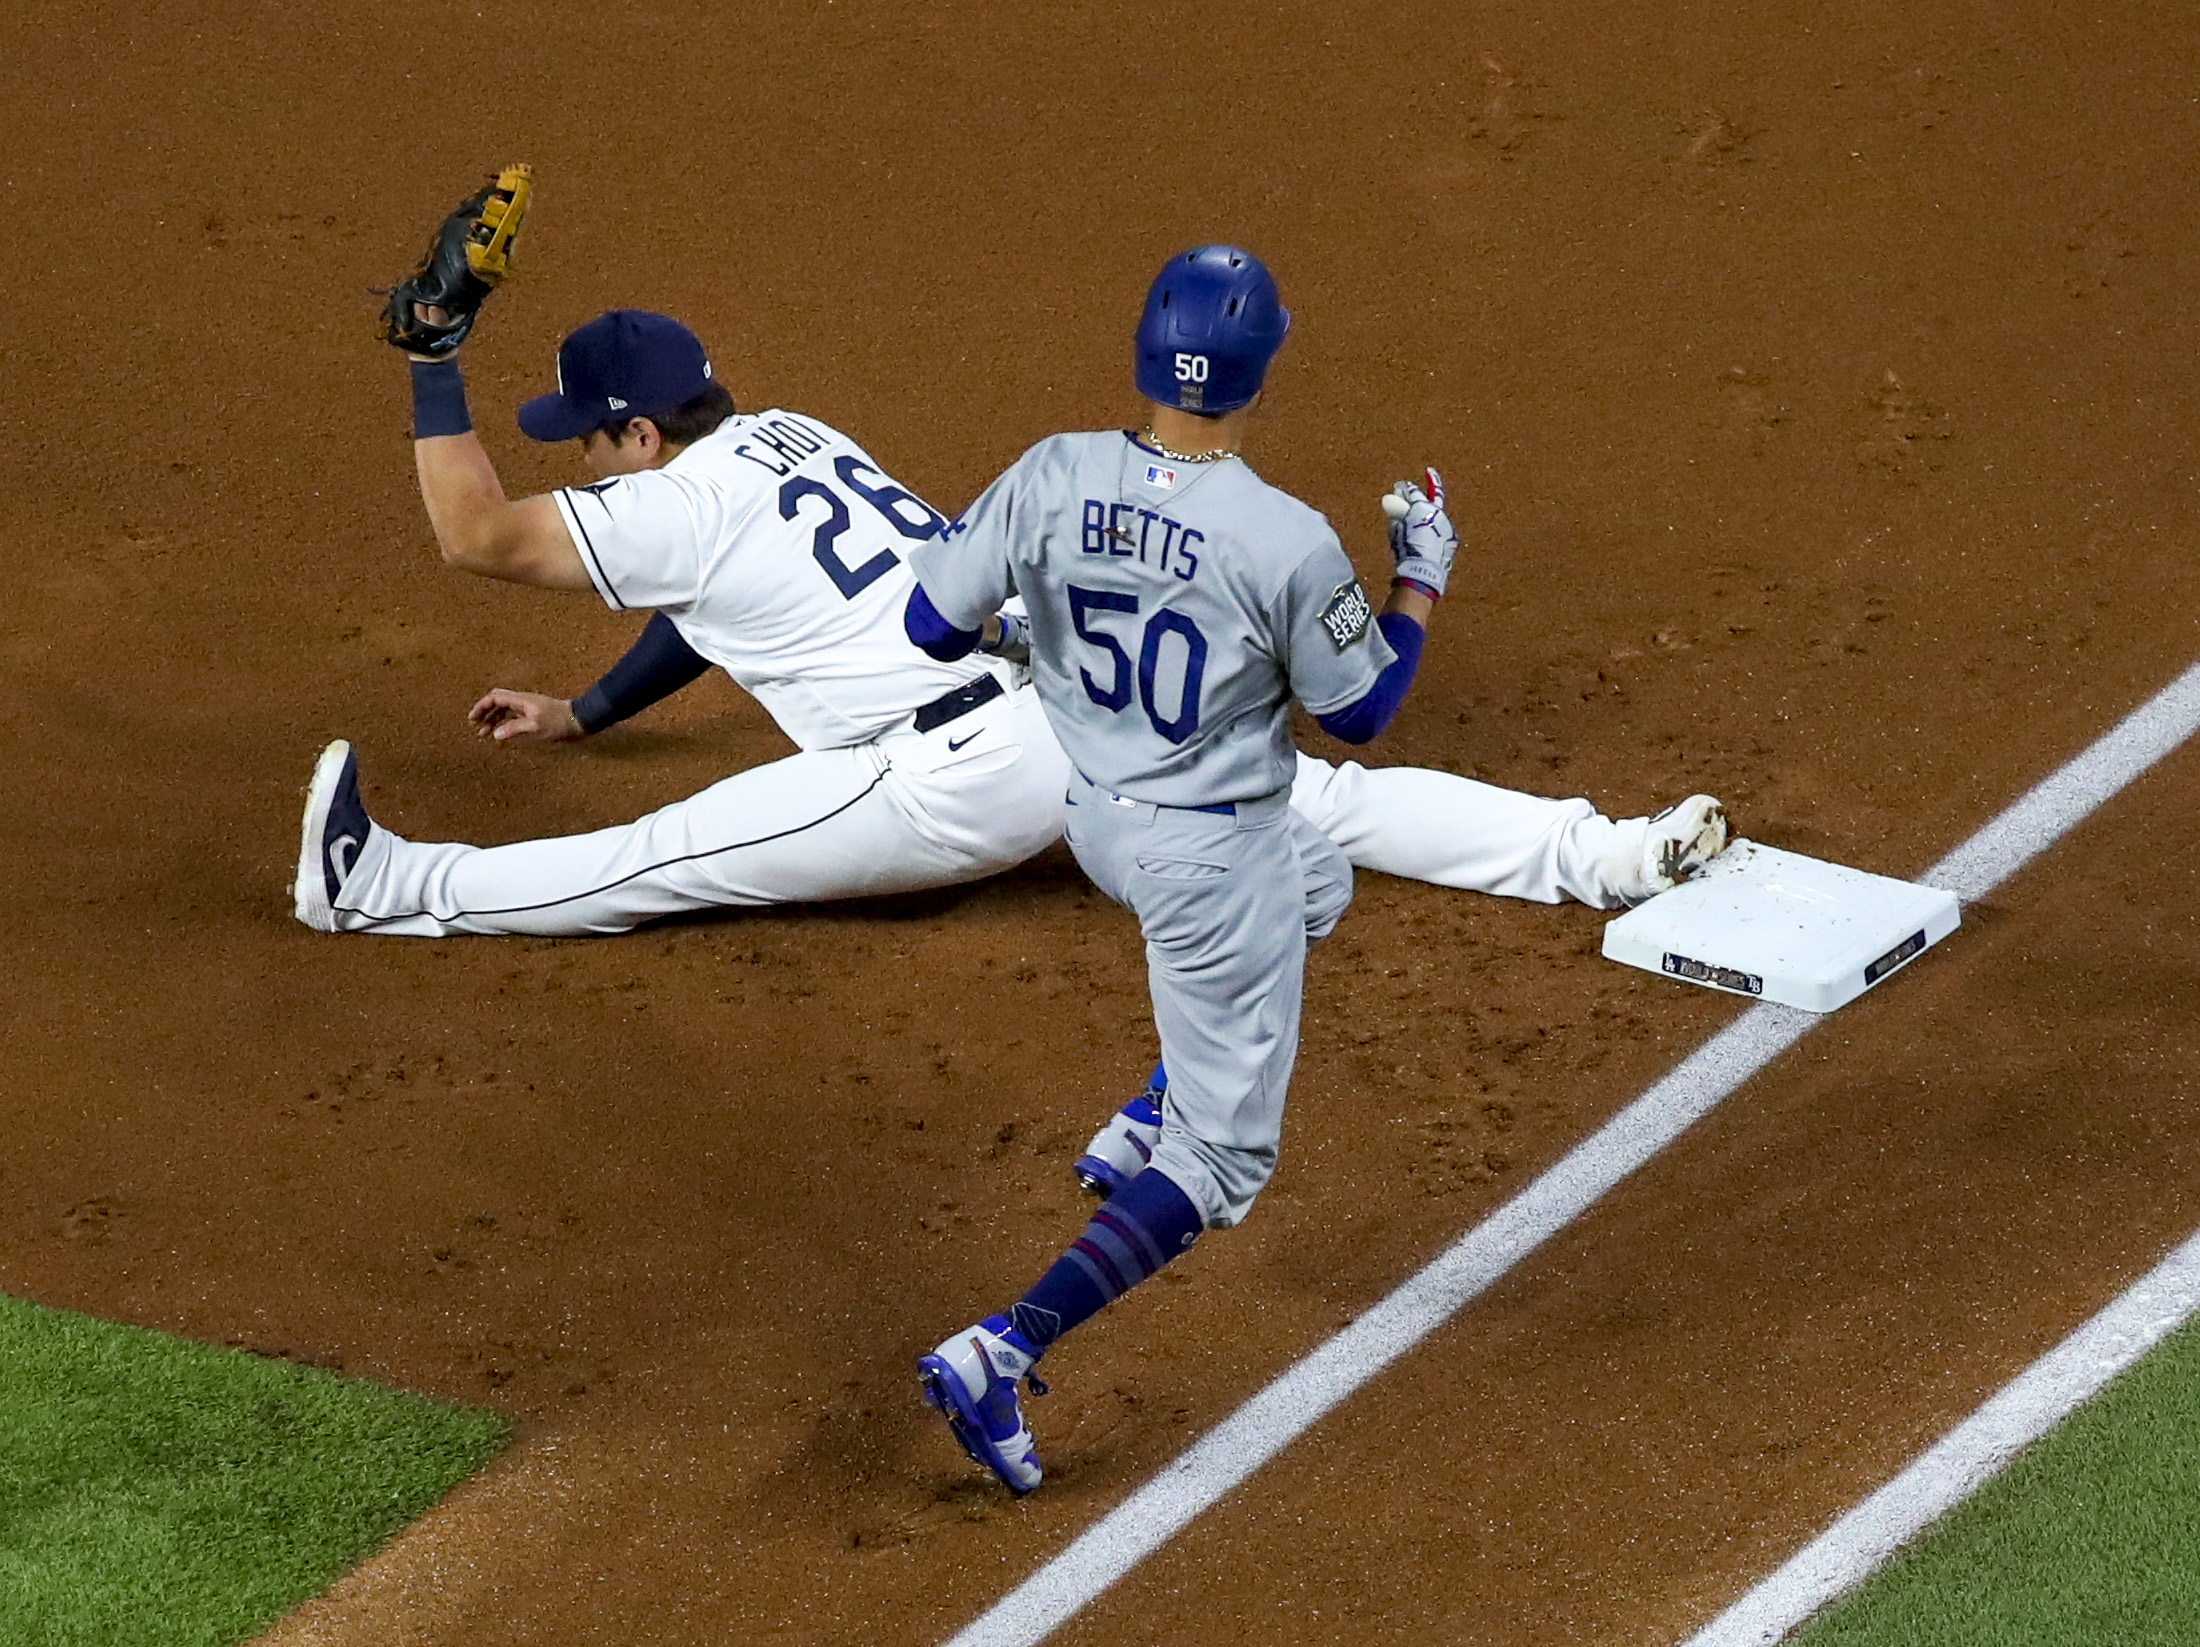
{"points": [[627, 361]]}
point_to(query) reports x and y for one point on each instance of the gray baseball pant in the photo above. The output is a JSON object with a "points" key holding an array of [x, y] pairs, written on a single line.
{"points": [[1227, 905]]}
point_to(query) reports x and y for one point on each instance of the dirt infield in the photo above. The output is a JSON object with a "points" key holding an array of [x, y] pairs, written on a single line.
{"points": [[1816, 384]]}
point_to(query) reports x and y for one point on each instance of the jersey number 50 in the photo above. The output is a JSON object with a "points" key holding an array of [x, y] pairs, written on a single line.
{"points": [[887, 498], [1116, 695]]}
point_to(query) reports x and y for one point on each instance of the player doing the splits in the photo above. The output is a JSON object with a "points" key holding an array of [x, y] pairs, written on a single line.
{"points": [[1177, 604], [774, 547]]}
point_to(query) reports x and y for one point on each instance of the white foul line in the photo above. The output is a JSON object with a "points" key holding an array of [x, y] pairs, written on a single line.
{"points": [[1221, 1460], [2040, 1397]]}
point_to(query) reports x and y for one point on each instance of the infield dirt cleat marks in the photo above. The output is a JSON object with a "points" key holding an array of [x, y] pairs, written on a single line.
{"points": [[1904, 430], [91, 1221], [1716, 139]]}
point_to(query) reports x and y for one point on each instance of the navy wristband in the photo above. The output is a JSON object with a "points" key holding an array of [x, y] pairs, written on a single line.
{"points": [[439, 400]]}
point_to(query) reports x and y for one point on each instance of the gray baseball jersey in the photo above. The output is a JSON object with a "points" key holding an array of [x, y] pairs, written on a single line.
{"points": [[1175, 609]]}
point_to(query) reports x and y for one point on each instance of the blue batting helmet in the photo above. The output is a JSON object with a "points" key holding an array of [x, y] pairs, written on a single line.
{"points": [[1212, 324]]}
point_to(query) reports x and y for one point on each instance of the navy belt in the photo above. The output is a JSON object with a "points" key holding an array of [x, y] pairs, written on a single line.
{"points": [[954, 705]]}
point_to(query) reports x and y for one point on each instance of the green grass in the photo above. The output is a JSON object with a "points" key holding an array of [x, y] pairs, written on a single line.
{"points": [[156, 1492], [2091, 1539]]}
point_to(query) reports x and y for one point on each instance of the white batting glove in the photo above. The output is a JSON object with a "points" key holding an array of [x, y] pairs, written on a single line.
{"points": [[1422, 541]]}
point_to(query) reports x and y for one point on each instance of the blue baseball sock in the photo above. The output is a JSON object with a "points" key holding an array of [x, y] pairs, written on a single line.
{"points": [[1137, 1230]]}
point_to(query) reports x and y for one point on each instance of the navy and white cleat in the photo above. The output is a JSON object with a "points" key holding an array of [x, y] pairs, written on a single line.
{"points": [[972, 1380], [1120, 1150], [335, 831]]}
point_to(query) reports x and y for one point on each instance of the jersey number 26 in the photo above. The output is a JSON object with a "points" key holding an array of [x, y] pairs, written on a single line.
{"points": [[887, 498]]}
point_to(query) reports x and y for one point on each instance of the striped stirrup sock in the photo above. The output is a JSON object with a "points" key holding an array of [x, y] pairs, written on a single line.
{"points": [[1136, 1230]]}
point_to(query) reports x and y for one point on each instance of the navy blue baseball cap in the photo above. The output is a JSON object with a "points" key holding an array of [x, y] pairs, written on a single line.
{"points": [[627, 363]]}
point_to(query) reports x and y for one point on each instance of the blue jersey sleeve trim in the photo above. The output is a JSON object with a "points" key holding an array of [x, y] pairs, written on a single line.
{"points": [[933, 634], [657, 665], [1361, 721]]}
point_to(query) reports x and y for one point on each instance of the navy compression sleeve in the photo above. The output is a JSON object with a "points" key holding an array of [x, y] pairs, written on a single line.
{"points": [[933, 634], [1360, 722], [655, 666]]}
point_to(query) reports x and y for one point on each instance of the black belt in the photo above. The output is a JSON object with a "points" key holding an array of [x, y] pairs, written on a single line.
{"points": [[954, 705]]}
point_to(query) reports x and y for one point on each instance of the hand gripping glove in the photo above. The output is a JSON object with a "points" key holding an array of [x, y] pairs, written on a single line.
{"points": [[467, 260], [1421, 539]]}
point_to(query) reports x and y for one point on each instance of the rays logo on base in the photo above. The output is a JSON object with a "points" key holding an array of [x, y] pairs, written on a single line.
{"points": [[1160, 475]]}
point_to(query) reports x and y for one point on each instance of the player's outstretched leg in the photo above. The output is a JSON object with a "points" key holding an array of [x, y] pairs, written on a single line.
{"points": [[1120, 1150], [1476, 837], [972, 1377], [908, 810]]}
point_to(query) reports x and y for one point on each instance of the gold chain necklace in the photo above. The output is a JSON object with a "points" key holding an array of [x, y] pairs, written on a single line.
{"points": [[1154, 441]]}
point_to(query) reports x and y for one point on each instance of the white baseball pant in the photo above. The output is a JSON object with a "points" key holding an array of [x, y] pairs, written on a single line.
{"points": [[912, 810], [905, 811]]}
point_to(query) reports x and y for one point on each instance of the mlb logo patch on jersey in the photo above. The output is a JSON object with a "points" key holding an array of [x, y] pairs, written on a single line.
{"points": [[1347, 615], [1160, 475]]}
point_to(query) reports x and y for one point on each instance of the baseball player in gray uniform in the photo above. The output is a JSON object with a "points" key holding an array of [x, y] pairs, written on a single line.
{"points": [[1177, 604], [772, 546]]}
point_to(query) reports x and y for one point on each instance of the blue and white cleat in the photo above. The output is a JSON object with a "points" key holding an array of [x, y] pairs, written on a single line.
{"points": [[1120, 1150], [334, 832], [972, 1380]]}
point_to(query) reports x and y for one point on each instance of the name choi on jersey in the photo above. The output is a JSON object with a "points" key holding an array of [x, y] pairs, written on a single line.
{"points": [[788, 438], [1127, 531]]}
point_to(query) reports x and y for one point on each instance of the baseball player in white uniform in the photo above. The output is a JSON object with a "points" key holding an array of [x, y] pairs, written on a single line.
{"points": [[773, 547], [1233, 598], [776, 546]]}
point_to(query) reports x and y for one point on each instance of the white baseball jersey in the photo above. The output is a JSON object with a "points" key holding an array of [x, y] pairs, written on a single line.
{"points": [[1175, 607], [776, 547]]}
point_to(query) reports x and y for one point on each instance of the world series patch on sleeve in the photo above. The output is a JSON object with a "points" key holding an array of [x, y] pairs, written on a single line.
{"points": [[1347, 615]]}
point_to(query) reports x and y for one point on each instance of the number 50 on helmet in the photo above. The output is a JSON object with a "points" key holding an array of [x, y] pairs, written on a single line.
{"points": [[1212, 323]]}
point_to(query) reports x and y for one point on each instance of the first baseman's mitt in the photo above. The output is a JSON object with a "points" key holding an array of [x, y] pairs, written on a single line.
{"points": [[468, 259]]}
